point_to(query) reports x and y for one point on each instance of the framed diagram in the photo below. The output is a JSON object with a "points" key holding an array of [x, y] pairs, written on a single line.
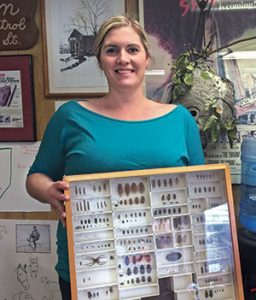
{"points": [[17, 115], [71, 69], [165, 233]]}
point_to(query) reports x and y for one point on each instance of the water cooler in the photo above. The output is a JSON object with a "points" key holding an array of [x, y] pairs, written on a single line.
{"points": [[247, 217]]}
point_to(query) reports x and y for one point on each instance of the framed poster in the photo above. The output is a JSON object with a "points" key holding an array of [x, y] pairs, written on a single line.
{"points": [[17, 116], [171, 27], [166, 234], [69, 30]]}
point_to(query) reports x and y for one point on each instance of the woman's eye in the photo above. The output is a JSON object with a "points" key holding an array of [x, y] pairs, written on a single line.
{"points": [[133, 50], [111, 50]]}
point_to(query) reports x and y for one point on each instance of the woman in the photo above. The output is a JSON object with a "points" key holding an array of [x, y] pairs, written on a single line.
{"points": [[121, 131]]}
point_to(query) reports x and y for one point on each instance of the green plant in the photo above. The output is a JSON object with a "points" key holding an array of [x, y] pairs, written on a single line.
{"points": [[188, 61], [213, 108], [183, 68], [209, 97], [214, 125]]}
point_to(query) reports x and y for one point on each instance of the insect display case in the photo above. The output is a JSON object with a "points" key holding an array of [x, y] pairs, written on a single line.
{"points": [[154, 234]]}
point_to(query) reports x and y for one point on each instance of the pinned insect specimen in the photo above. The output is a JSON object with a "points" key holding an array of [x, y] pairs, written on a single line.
{"points": [[120, 189], [173, 256], [127, 260], [153, 183], [129, 271], [142, 269], [100, 260], [141, 187], [134, 187], [127, 189], [149, 268]]}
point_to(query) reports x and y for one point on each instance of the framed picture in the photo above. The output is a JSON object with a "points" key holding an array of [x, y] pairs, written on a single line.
{"points": [[171, 27], [17, 115], [167, 233], [69, 28]]}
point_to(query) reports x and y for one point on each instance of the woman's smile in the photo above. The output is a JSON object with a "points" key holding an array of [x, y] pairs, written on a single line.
{"points": [[123, 52]]}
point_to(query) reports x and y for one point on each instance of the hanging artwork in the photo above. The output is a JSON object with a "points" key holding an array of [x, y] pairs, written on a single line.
{"points": [[15, 161], [171, 27], [28, 256], [17, 115], [69, 30]]}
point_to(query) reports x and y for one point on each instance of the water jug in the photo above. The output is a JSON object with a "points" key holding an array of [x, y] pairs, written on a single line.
{"points": [[247, 207]]}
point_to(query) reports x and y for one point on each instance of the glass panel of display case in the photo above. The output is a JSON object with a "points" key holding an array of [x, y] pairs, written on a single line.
{"points": [[153, 234]]}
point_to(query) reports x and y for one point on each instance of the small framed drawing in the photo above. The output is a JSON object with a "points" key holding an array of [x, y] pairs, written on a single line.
{"points": [[166, 233], [17, 115], [69, 28]]}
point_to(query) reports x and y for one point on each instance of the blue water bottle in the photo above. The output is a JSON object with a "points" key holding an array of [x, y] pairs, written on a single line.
{"points": [[247, 207]]}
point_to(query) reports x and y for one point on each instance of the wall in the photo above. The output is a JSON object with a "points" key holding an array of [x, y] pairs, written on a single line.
{"points": [[45, 106]]}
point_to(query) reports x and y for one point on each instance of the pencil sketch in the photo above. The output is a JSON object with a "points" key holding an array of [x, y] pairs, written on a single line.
{"points": [[33, 266], [33, 238], [52, 287], [27, 271], [3, 230], [22, 276], [22, 296], [30, 277], [72, 63], [15, 161]]}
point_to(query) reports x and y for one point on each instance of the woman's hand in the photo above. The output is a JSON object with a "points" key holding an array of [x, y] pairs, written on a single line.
{"points": [[57, 199], [42, 188]]}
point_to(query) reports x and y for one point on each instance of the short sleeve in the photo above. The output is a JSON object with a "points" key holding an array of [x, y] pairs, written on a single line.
{"points": [[49, 159]]}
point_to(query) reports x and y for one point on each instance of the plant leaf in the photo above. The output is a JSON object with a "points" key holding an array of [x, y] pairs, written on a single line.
{"points": [[188, 79], [215, 132], [190, 67], [205, 75], [211, 123]]}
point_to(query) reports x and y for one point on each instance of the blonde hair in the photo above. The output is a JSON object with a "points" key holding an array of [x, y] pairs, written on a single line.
{"points": [[117, 22]]}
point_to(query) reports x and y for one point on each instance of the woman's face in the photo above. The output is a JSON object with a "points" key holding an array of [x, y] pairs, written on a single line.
{"points": [[123, 58]]}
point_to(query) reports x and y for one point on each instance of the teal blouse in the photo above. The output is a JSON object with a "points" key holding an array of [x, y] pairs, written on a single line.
{"points": [[79, 141]]}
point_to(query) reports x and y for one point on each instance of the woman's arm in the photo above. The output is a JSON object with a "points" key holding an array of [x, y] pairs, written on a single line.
{"points": [[42, 188]]}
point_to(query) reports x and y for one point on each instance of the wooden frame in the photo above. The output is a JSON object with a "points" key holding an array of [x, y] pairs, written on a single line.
{"points": [[17, 115], [127, 231], [65, 74]]}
